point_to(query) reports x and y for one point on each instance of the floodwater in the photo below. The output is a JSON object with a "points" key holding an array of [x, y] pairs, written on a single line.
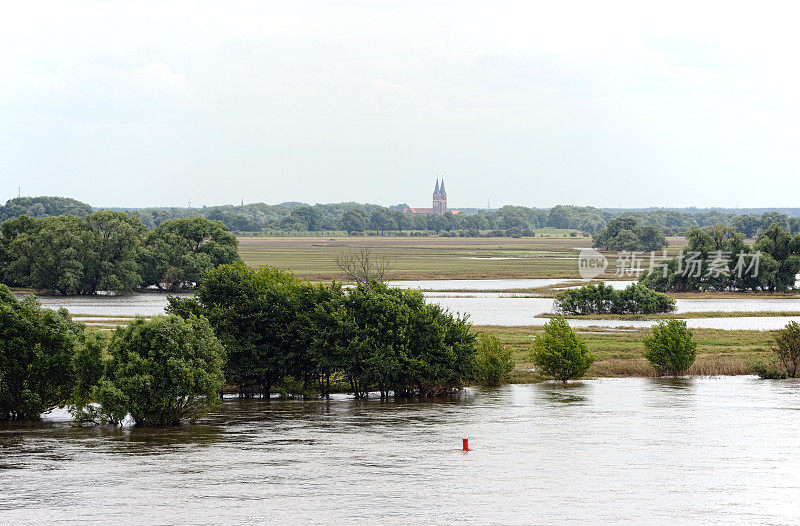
{"points": [[142, 304], [484, 308], [641, 451], [493, 284], [508, 309]]}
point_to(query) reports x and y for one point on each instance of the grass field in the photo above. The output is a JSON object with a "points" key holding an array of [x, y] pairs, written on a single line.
{"points": [[619, 352], [550, 254]]}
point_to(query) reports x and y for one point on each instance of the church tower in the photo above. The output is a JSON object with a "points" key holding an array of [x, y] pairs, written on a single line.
{"points": [[439, 199], [442, 199], [436, 201]]}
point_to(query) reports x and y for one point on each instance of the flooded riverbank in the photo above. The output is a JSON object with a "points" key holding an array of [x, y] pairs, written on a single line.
{"points": [[703, 450], [484, 308]]}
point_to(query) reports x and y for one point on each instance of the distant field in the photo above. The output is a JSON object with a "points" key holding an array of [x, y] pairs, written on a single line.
{"points": [[550, 254]]}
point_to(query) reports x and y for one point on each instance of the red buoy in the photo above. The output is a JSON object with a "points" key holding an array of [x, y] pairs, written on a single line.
{"points": [[465, 442]]}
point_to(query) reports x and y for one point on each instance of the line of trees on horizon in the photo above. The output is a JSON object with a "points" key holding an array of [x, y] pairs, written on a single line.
{"points": [[357, 218]]}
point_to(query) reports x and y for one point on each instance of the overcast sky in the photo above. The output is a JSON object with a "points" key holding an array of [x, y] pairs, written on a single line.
{"points": [[531, 103]]}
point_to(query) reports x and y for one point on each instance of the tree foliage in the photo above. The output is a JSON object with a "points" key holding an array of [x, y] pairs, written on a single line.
{"points": [[108, 251], [37, 347], [298, 217], [161, 372], [276, 327], [670, 348], [43, 207], [625, 233], [559, 353], [717, 258], [177, 252], [604, 299], [787, 348], [493, 361]]}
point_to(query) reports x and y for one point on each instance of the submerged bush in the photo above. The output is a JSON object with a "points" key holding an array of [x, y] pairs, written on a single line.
{"points": [[559, 353], [160, 372], [787, 348], [671, 349], [493, 361], [769, 371], [603, 299]]}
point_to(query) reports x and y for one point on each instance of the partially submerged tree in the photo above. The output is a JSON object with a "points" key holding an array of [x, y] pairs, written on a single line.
{"points": [[559, 353], [670, 348], [364, 266], [787, 348], [277, 328], [37, 347], [161, 371], [493, 361]]}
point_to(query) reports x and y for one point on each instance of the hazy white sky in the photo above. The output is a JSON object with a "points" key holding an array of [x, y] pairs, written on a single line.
{"points": [[533, 103]]}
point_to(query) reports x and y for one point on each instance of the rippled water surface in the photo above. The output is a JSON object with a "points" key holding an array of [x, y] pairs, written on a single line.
{"points": [[645, 451]]}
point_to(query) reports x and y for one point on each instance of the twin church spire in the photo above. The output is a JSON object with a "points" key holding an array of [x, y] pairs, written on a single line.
{"points": [[439, 198], [439, 207], [440, 188]]}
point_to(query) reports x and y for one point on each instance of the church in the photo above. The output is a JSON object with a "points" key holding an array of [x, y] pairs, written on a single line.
{"points": [[439, 203]]}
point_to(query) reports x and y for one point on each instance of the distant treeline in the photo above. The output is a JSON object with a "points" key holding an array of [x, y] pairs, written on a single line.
{"points": [[357, 218]]}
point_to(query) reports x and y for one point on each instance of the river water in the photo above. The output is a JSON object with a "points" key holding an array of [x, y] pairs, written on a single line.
{"points": [[642, 451], [484, 308]]}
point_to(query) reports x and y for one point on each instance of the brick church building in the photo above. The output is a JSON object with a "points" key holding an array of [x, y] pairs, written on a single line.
{"points": [[439, 207]]}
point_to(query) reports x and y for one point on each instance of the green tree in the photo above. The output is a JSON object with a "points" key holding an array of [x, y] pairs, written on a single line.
{"points": [[787, 348], [493, 361], [604, 299], [43, 207], [37, 347], [625, 233], [179, 250], [785, 250], [559, 353], [380, 220], [161, 371], [49, 255], [670, 348], [112, 245], [70, 255], [253, 312], [355, 221]]}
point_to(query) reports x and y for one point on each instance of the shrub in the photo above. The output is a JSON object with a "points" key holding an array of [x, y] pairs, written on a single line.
{"points": [[787, 348], [603, 299], [559, 353], [639, 299], [161, 372], [769, 371], [493, 361], [670, 349]]}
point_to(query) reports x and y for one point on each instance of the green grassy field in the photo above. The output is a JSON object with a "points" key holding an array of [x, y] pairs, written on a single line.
{"points": [[550, 254], [619, 352]]}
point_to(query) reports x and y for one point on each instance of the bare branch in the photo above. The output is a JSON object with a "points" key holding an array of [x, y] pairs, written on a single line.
{"points": [[363, 266]]}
